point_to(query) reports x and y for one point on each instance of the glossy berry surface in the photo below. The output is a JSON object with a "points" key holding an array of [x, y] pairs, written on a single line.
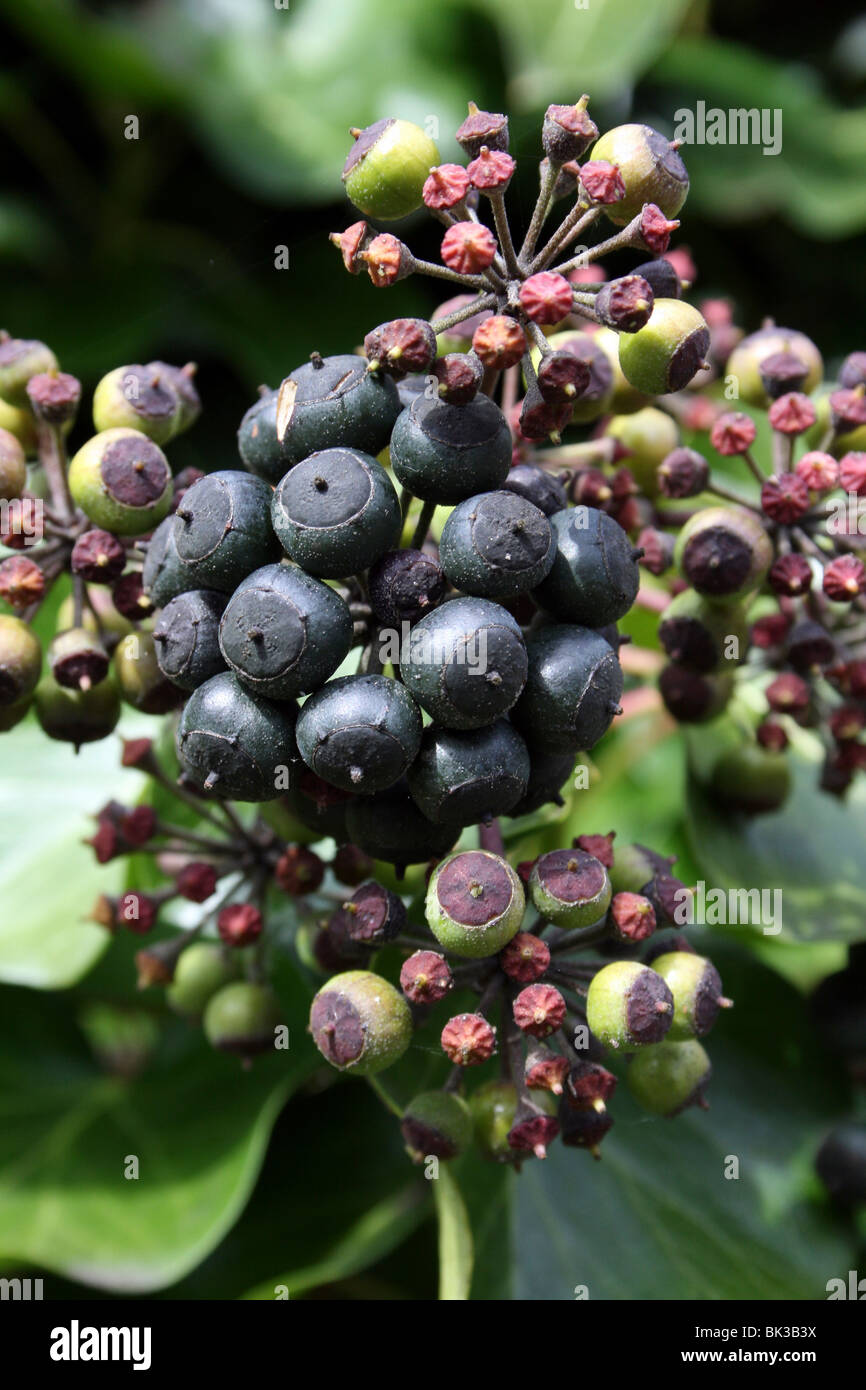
{"points": [[497, 545], [187, 638], [325, 403], [236, 744], [446, 453], [462, 776], [594, 576], [572, 689], [122, 481], [222, 529], [360, 732], [336, 512], [466, 663]]}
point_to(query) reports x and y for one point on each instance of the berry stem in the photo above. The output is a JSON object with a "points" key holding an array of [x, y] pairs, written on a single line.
{"points": [[424, 520], [577, 221], [467, 311], [441, 272], [582, 936], [406, 500], [490, 837], [385, 1097], [754, 467], [52, 455], [730, 495], [503, 231], [539, 213]]}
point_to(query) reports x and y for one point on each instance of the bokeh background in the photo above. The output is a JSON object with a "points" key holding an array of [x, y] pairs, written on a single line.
{"points": [[118, 250]]}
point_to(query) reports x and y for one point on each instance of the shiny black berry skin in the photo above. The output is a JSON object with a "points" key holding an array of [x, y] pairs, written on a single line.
{"points": [[222, 529], [446, 453], [261, 451], [572, 689], [320, 807], [360, 733], [539, 487], [284, 633], [390, 826], [414, 385], [662, 278], [404, 585], [336, 512], [333, 401], [594, 578], [496, 545], [186, 634], [164, 575], [548, 773], [235, 744], [463, 776], [466, 663]]}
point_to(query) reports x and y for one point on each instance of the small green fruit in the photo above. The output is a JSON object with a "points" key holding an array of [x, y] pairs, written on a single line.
{"points": [[437, 1124], [110, 621], [13, 466], [120, 479], [744, 364], [570, 888], [649, 435], [650, 168], [139, 678], [724, 552], [360, 1023], [697, 989], [387, 166], [668, 351], [493, 1107], [628, 1005], [203, 968], [242, 1018], [752, 779], [138, 398], [634, 867], [668, 1078], [475, 903], [626, 399], [20, 359], [19, 421], [20, 660], [704, 636], [77, 716]]}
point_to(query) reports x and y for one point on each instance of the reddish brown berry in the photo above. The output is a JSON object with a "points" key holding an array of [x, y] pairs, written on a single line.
{"points": [[239, 924], [584, 1129], [482, 128], [540, 418], [633, 916], [491, 171], [137, 752], [849, 408], [136, 912], [847, 722], [599, 846], [592, 488], [426, 977], [371, 916], [445, 187], [525, 958], [459, 375], [625, 304], [655, 230], [590, 1086], [844, 579], [658, 550], [401, 346], [820, 472], [545, 1070], [684, 473], [351, 243], [788, 694], [568, 131], [351, 865], [299, 870], [387, 260], [771, 735], [499, 341], [139, 826], [106, 842], [781, 373], [852, 472], [468, 1040], [790, 575], [21, 581], [546, 298], [785, 498], [539, 1010], [98, 557], [532, 1132], [601, 181], [54, 397], [468, 247], [197, 881], [733, 433], [810, 645], [562, 377], [792, 414], [129, 598], [770, 631]]}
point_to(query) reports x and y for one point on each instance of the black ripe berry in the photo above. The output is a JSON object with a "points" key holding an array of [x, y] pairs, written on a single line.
{"points": [[404, 585], [187, 638], [336, 512], [595, 575], [283, 632], [360, 732], [661, 277], [446, 453], [572, 689], [164, 575], [463, 776], [691, 697], [542, 489], [261, 451], [390, 826], [497, 545], [548, 773], [318, 805], [333, 401], [466, 663], [222, 529], [372, 916], [235, 744]]}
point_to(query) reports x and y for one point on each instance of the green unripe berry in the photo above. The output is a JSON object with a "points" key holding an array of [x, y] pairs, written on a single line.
{"points": [[462, 776], [182, 381], [120, 479], [668, 1078], [634, 867], [493, 1107], [186, 634], [203, 968], [139, 679], [360, 733], [284, 633], [242, 1018], [752, 779], [724, 552], [649, 435], [77, 659], [77, 716], [360, 1023], [570, 888], [597, 398], [336, 512], [496, 545], [628, 1005], [20, 660], [19, 422], [446, 453], [385, 172], [222, 529], [164, 575], [20, 359], [572, 689], [138, 398], [594, 576], [626, 399], [744, 363], [13, 467], [235, 744], [390, 826], [704, 636], [668, 351], [109, 619], [697, 989], [436, 1123], [475, 903], [650, 168]]}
